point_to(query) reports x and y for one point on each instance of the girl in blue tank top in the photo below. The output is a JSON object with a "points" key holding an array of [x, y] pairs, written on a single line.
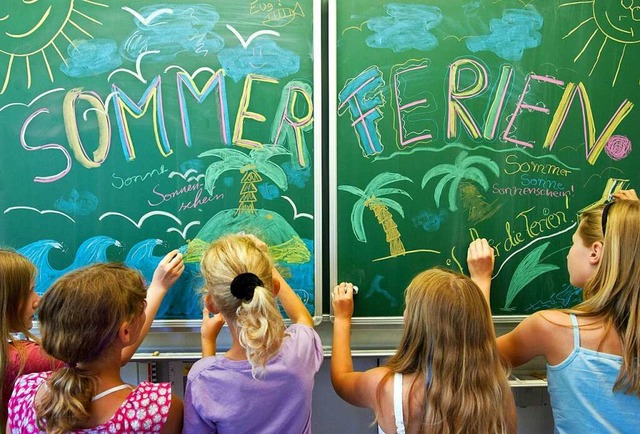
{"points": [[592, 350]]}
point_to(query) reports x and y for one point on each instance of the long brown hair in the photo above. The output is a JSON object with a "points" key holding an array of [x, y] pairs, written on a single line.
{"points": [[258, 321], [449, 341], [80, 317], [613, 293], [17, 276]]}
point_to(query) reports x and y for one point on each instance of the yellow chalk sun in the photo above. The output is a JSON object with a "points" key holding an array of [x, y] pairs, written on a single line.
{"points": [[31, 28], [613, 22]]}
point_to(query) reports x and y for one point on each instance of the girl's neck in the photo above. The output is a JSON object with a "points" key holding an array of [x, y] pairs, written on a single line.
{"points": [[236, 351], [107, 369]]}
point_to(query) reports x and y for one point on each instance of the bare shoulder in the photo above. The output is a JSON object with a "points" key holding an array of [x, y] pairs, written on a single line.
{"points": [[174, 419], [372, 377], [555, 331], [545, 333]]}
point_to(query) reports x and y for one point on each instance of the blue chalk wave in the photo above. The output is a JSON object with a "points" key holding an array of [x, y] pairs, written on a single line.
{"points": [[184, 298]]}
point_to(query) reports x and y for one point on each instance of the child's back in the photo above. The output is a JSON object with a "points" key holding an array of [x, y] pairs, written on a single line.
{"points": [[264, 382]]}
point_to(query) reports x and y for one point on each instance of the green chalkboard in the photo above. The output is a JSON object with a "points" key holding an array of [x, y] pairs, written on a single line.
{"points": [[461, 119], [131, 128]]}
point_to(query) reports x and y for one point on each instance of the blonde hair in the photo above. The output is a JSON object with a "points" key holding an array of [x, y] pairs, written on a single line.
{"points": [[613, 293], [17, 276], [449, 341], [80, 317], [257, 319], [590, 227]]}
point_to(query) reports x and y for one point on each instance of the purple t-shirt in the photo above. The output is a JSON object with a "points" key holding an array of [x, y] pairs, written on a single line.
{"points": [[223, 397]]}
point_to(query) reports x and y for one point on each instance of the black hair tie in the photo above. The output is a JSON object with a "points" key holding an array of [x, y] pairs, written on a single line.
{"points": [[243, 285]]}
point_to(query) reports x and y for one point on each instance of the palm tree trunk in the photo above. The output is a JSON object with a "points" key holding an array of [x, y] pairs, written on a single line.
{"points": [[248, 192], [390, 228]]}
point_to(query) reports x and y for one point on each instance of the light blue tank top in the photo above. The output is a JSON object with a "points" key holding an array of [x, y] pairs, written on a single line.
{"points": [[581, 393]]}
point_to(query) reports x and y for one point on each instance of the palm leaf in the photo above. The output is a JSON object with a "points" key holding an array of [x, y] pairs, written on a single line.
{"points": [[484, 161], [383, 179], [453, 194], [527, 270], [390, 203], [268, 151], [351, 189], [214, 171], [387, 191], [437, 192], [475, 174], [357, 223], [461, 160], [225, 154], [441, 169]]}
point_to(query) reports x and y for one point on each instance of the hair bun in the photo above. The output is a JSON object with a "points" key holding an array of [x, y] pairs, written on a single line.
{"points": [[243, 285]]}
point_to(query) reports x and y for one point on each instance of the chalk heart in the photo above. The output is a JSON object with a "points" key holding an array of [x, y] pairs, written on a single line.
{"points": [[200, 70]]}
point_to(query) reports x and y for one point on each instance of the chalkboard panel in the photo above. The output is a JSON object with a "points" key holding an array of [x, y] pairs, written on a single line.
{"points": [[132, 128], [456, 120]]}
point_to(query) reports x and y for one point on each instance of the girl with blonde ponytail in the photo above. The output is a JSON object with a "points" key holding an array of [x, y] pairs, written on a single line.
{"points": [[263, 383], [92, 319]]}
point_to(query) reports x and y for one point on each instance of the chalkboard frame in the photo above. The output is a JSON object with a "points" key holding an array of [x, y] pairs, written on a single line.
{"points": [[180, 326], [380, 322]]}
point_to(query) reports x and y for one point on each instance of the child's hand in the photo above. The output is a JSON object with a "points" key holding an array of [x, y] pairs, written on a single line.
{"points": [[168, 270], [342, 300], [261, 245], [480, 259], [211, 325], [626, 194]]}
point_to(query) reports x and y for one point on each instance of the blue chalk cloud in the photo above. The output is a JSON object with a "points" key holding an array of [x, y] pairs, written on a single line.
{"points": [[406, 27], [511, 35], [187, 28], [262, 57], [269, 190], [298, 177], [91, 57], [78, 203]]}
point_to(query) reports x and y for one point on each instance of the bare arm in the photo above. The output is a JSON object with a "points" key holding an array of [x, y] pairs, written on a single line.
{"points": [[174, 419], [209, 331], [293, 306], [528, 340], [345, 381], [291, 303], [168, 271], [480, 260]]}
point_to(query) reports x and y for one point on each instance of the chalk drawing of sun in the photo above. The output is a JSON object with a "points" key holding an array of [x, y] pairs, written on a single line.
{"points": [[613, 22], [30, 29]]}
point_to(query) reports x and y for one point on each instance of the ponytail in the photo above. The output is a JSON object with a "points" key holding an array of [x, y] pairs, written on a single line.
{"points": [[260, 329], [80, 318], [237, 273], [67, 404]]}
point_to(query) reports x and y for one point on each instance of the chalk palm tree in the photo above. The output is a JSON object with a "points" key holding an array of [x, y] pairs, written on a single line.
{"points": [[250, 166], [372, 197], [455, 173]]}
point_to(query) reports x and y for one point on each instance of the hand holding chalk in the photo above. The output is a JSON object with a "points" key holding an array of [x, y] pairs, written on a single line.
{"points": [[342, 300]]}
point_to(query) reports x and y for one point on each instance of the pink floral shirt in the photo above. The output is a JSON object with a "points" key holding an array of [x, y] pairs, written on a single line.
{"points": [[36, 360], [144, 411]]}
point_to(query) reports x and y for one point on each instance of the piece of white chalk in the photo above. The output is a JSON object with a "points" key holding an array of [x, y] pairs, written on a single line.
{"points": [[355, 289]]}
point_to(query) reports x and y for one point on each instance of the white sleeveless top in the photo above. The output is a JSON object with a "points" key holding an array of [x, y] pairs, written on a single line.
{"points": [[397, 405]]}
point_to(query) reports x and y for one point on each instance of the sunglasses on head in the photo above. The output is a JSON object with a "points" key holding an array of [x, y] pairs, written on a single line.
{"points": [[605, 216]]}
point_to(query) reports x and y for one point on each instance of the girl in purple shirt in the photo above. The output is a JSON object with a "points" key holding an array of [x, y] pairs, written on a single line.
{"points": [[263, 383]]}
